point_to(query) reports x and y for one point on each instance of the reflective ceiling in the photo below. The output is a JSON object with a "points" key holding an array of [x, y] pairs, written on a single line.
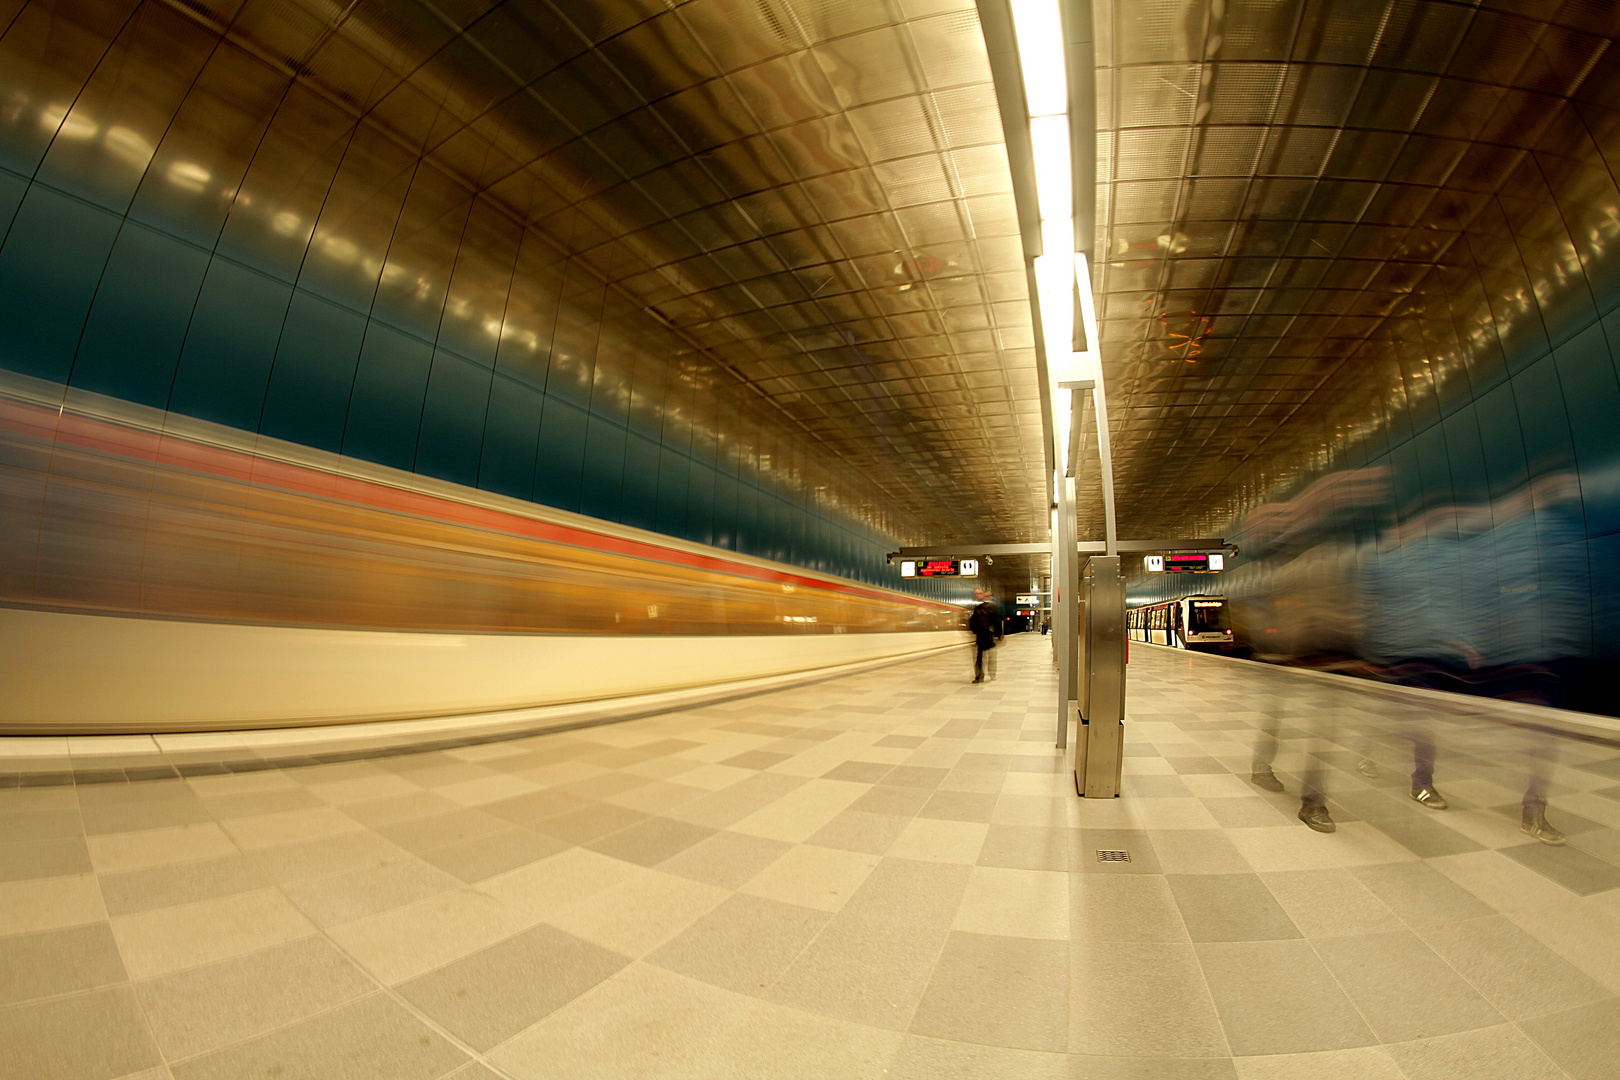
{"points": [[814, 193], [1307, 211]]}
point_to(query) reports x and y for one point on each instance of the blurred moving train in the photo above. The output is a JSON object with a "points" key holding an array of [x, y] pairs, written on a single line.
{"points": [[160, 574], [1187, 622]]}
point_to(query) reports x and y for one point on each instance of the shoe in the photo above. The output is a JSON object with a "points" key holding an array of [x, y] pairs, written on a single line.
{"points": [[1535, 824], [1263, 777], [1430, 797], [1317, 818], [1368, 768]]}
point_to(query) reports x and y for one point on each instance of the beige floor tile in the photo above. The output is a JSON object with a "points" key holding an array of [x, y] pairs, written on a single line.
{"points": [[744, 945], [691, 1030], [396, 945], [1218, 786], [205, 1008], [373, 1038], [1403, 989], [1176, 814], [931, 840], [169, 939], [1277, 997], [355, 894], [272, 830], [96, 1035], [1124, 907], [1363, 1063], [1354, 844], [1494, 1053], [1330, 903], [380, 785], [49, 903], [641, 913], [1503, 883], [921, 1058], [1020, 903], [135, 850], [815, 877], [539, 890], [490, 995], [1003, 991], [798, 815], [48, 963], [487, 789], [1144, 999]]}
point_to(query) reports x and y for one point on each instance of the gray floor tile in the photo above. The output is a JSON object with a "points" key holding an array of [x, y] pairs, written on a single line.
{"points": [[1491, 1052], [1425, 836], [921, 1058], [205, 1008], [1585, 1041], [1002, 991], [1516, 973], [755, 759], [374, 1038], [179, 883], [860, 772], [1420, 894], [1196, 766], [902, 890], [1571, 867], [726, 859], [53, 962], [40, 825], [1124, 907], [1330, 903], [1277, 997], [91, 1036], [1027, 847], [913, 776], [899, 801], [491, 995], [856, 830], [485, 856], [27, 859], [1246, 813], [745, 944], [1086, 1067], [1403, 988], [650, 842], [1198, 851], [864, 971], [437, 830], [1155, 787], [1142, 999], [959, 806], [341, 898], [1230, 907], [535, 806]]}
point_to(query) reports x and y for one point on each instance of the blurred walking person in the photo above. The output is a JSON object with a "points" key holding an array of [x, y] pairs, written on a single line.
{"points": [[985, 626]]}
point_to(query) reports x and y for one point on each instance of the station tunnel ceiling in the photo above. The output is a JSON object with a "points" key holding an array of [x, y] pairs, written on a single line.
{"points": [[1303, 209]]}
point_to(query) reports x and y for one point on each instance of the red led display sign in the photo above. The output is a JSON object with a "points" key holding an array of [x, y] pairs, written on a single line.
{"points": [[938, 568]]}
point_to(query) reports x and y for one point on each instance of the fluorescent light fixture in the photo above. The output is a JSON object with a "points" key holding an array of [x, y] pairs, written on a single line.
{"points": [[1054, 183], [1039, 28]]}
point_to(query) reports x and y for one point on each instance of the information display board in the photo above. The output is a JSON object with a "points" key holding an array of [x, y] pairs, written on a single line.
{"points": [[1031, 600], [939, 567], [1186, 562]]}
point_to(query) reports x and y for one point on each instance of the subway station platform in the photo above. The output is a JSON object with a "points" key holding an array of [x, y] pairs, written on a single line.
{"points": [[886, 875]]}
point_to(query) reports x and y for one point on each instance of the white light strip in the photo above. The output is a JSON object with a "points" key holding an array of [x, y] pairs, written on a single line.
{"points": [[1054, 180], [1039, 29]]}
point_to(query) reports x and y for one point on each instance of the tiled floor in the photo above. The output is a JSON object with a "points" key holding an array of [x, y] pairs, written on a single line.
{"points": [[885, 875]]}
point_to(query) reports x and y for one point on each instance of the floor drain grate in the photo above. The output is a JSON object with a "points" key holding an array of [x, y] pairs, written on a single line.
{"points": [[1113, 856]]}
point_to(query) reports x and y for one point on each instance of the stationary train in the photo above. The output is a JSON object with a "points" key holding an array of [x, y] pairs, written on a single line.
{"points": [[1187, 622]]}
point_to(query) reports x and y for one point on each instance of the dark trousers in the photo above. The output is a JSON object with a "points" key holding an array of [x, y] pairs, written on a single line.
{"points": [[980, 647]]}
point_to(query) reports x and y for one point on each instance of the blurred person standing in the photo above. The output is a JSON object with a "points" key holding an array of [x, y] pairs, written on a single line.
{"points": [[985, 626]]}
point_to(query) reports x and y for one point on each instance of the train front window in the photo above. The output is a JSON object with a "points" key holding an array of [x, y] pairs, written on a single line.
{"points": [[1207, 617]]}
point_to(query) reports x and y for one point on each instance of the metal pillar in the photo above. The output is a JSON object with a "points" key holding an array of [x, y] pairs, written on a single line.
{"points": [[1065, 625], [1099, 747]]}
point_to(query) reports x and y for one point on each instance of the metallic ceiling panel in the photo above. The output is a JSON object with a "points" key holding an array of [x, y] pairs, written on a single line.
{"points": [[1309, 210]]}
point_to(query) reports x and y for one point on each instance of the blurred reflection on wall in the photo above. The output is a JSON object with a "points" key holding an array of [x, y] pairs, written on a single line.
{"points": [[1492, 597]]}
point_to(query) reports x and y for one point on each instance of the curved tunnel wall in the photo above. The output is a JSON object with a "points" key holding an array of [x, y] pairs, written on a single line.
{"points": [[1460, 525], [229, 303], [189, 227]]}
